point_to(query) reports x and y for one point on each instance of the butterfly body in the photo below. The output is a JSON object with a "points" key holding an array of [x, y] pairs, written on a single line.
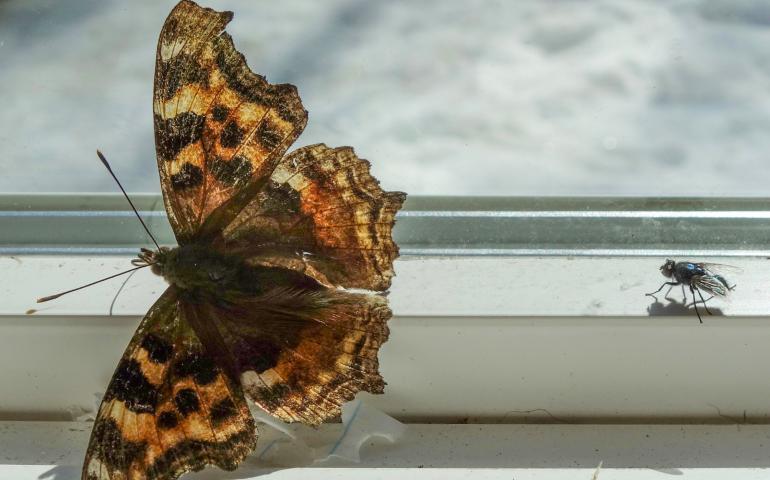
{"points": [[202, 273]]}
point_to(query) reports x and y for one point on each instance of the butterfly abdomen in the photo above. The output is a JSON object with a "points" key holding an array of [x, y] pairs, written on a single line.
{"points": [[206, 273]]}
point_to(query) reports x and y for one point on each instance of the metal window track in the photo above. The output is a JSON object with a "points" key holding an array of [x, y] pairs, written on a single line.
{"points": [[104, 224]]}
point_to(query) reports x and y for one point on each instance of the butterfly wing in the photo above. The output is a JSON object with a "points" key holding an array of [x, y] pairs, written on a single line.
{"points": [[221, 131], [300, 354], [219, 127], [169, 408], [323, 213]]}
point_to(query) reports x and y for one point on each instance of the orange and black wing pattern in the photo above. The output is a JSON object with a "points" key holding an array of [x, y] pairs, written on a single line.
{"points": [[292, 227], [323, 213], [301, 353], [169, 408], [219, 127]]}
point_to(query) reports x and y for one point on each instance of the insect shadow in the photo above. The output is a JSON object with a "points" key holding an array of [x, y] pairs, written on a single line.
{"points": [[675, 307]]}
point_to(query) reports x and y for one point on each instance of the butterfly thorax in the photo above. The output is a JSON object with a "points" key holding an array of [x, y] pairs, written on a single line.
{"points": [[197, 268], [203, 272]]}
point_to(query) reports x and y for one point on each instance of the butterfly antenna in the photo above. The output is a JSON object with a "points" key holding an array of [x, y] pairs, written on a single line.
{"points": [[109, 169], [53, 297]]}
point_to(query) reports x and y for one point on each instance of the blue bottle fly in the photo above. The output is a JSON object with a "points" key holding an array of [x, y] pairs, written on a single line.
{"points": [[698, 277]]}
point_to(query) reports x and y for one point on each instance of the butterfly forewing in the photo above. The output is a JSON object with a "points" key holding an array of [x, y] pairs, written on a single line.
{"points": [[219, 127]]}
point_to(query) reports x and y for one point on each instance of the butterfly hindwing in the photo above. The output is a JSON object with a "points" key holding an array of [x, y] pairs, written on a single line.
{"points": [[169, 408], [301, 353], [323, 202], [335, 357], [219, 127]]}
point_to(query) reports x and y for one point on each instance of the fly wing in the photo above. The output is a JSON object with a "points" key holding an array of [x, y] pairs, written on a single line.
{"points": [[716, 275], [714, 284], [720, 268]]}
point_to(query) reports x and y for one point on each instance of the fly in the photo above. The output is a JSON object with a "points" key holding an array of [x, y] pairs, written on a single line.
{"points": [[698, 277]]}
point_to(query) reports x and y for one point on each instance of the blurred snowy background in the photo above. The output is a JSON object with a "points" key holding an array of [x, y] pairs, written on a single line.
{"points": [[444, 97]]}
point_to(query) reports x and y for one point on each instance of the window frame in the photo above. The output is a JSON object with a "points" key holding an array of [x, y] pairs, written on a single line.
{"points": [[526, 305]]}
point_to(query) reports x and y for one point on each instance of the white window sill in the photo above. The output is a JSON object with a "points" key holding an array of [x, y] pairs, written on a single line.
{"points": [[491, 339], [35, 450]]}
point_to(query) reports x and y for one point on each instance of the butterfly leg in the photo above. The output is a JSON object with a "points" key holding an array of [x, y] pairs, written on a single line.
{"points": [[122, 285]]}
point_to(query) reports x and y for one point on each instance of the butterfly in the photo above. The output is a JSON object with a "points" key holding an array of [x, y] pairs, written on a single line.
{"points": [[276, 286]]}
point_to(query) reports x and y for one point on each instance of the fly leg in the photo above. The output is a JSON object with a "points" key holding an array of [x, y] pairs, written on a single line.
{"points": [[694, 304], [669, 291], [703, 301], [672, 284]]}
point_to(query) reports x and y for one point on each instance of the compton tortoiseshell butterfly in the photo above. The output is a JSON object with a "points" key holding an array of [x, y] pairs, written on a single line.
{"points": [[253, 308]]}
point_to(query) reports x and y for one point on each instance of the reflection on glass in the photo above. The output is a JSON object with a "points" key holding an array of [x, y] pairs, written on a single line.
{"points": [[453, 98]]}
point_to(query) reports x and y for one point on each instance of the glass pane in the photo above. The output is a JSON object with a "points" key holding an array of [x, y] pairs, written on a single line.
{"points": [[452, 98]]}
